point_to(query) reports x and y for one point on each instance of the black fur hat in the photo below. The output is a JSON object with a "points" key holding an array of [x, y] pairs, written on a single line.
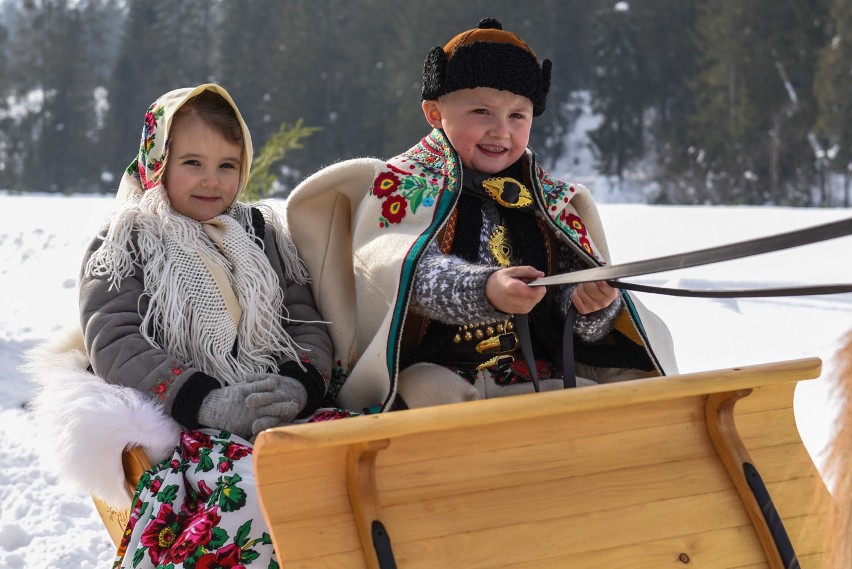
{"points": [[487, 56]]}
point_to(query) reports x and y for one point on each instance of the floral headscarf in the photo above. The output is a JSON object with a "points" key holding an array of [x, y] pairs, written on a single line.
{"points": [[147, 169]]}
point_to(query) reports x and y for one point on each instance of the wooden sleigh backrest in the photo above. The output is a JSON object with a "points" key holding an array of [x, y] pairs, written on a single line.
{"points": [[643, 474], [135, 463]]}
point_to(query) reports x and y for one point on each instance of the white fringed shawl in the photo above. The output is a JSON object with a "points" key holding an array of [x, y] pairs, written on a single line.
{"points": [[203, 298]]}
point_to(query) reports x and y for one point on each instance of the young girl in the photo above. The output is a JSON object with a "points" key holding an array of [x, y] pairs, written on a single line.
{"points": [[184, 295], [198, 303]]}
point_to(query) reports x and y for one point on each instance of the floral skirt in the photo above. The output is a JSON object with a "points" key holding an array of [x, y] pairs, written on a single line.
{"points": [[198, 509]]}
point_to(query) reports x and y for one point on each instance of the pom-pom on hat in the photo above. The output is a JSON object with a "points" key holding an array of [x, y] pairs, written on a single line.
{"points": [[487, 56]]}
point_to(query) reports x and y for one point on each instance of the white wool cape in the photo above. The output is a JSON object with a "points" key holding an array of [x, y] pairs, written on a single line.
{"points": [[88, 423]]}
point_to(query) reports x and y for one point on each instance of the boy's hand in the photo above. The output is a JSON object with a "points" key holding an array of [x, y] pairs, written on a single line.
{"points": [[507, 289], [590, 297]]}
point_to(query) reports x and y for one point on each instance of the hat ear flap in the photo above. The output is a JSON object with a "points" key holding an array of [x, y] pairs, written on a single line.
{"points": [[434, 70], [545, 76], [541, 100]]}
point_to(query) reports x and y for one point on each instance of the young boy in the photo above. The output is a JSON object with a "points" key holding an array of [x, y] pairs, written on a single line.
{"points": [[423, 262]]}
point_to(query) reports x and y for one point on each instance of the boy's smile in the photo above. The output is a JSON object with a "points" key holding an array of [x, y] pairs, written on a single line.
{"points": [[489, 128]]}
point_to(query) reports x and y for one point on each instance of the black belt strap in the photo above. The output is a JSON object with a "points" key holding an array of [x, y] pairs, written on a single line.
{"points": [[569, 376], [522, 329]]}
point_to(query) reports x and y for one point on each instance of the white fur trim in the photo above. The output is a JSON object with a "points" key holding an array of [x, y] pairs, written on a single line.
{"points": [[89, 422]]}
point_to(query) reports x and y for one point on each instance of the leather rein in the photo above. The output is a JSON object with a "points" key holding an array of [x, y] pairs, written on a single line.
{"points": [[738, 250]]}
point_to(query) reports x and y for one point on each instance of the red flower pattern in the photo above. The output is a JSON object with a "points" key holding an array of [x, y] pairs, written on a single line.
{"points": [[329, 415], [192, 442], [235, 450], [161, 388], [226, 558], [393, 208], [197, 532], [385, 184], [160, 535], [573, 222]]}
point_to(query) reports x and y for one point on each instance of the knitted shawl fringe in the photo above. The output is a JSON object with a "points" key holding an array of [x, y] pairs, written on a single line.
{"points": [[187, 315]]}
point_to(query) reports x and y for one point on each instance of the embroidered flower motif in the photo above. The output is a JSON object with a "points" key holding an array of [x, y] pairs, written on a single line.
{"points": [[338, 378], [161, 388], [573, 222], [393, 209], [555, 191], [307, 359], [413, 191], [385, 184], [584, 242]]}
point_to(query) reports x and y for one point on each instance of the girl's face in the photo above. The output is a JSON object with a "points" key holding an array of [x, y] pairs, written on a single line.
{"points": [[489, 128], [203, 169]]}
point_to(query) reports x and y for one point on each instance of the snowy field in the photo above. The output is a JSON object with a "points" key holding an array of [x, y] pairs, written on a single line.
{"points": [[44, 525]]}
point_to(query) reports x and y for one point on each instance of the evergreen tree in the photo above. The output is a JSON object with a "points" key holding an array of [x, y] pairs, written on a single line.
{"points": [[618, 90], [164, 45], [833, 90], [62, 132], [5, 118], [561, 32], [753, 101], [665, 33], [102, 22]]}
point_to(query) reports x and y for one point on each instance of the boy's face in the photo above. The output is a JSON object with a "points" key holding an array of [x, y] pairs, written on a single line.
{"points": [[203, 169], [489, 128]]}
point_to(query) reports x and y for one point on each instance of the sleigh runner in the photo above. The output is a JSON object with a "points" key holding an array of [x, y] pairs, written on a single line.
{"points": [[649, 473]]}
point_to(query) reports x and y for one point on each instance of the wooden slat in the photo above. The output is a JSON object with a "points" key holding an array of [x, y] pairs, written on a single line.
{"points": [[521, 407]]}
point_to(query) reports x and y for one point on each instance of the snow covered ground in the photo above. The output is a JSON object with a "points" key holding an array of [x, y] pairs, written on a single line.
{"points": [[43, 525]]}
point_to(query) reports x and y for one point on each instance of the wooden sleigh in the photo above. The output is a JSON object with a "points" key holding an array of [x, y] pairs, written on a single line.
{"points": [[703, 470]]}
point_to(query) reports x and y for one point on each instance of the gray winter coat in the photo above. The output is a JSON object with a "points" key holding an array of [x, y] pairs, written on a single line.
{"points": [[120, 354]]}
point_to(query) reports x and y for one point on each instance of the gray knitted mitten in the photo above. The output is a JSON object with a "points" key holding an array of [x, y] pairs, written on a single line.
{"points": [[228, 408], [280, 406]]}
